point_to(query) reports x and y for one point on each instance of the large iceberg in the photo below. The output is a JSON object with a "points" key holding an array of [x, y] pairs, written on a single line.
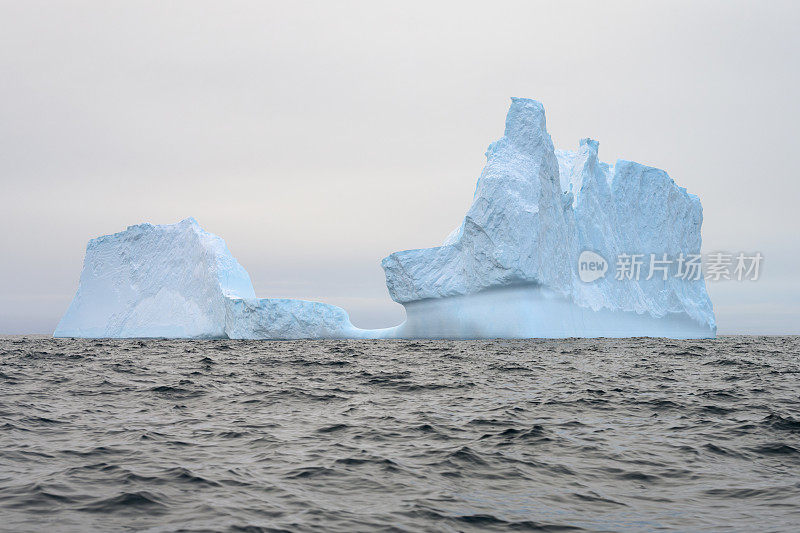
{"points": [[510, 269]]}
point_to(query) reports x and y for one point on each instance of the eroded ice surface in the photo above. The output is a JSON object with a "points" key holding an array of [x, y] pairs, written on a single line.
{"points": [[508, 270]]}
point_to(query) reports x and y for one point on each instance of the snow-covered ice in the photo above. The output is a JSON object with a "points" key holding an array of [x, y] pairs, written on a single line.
{"points": [[510, 269]]}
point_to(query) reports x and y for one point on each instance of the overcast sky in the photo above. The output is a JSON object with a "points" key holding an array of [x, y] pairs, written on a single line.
{"points": [[317, 138]]}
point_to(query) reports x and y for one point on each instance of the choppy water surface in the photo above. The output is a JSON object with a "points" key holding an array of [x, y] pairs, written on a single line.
{"points": [[637, 434]]}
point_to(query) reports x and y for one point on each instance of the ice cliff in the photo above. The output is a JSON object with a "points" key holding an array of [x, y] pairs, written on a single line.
{"points": [[179, 281], [509, 270]]}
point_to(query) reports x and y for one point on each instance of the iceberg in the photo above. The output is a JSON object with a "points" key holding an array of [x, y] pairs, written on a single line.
{"points": [[179, 281], [511, 269]]}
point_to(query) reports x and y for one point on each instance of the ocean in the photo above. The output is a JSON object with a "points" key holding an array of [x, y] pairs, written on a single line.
{"points": [[390, 435]]}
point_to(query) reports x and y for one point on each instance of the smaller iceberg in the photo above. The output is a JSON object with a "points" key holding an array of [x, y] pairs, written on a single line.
{"points": [[179, 281]]}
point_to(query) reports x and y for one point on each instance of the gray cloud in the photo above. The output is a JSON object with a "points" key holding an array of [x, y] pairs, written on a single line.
{"points": [[317, 138]]}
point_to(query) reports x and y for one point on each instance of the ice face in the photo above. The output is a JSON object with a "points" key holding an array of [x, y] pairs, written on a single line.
{"points": [[631, 208], [513, 234], [509, 270], [155, 281]]}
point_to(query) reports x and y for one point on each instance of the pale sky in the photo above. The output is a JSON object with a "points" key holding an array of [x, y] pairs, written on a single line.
{"points": [[317, 138]]}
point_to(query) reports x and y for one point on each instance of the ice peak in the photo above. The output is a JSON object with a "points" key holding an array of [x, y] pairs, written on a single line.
{"points": [[526, 127], [190, 221], [591, 143]]}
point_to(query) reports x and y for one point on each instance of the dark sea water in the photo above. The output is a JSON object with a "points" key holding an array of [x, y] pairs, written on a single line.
{"points": [[599, 435]]}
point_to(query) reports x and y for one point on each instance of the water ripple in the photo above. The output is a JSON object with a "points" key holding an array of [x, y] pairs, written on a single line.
{"points": [[536, 435]]}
